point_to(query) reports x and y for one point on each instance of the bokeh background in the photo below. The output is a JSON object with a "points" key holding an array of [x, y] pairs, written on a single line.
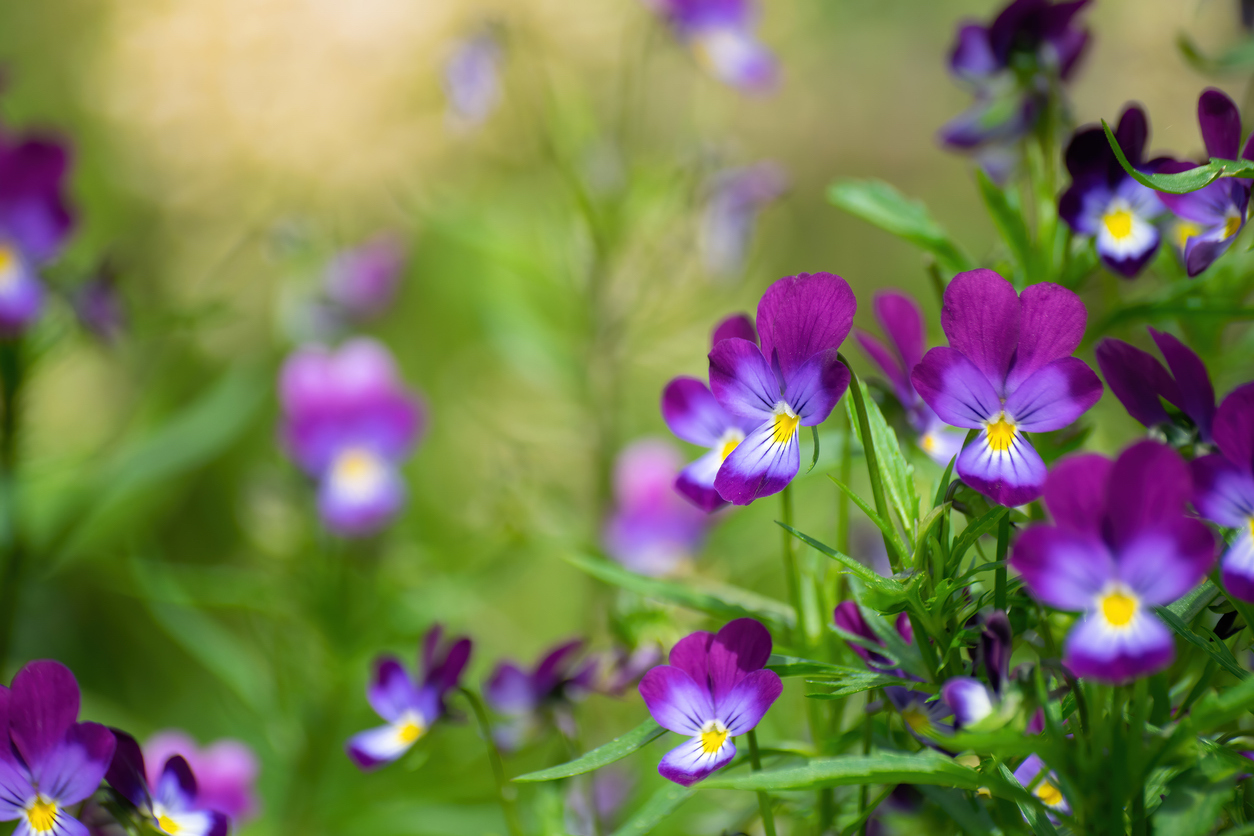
{"points": [[226, 149]]}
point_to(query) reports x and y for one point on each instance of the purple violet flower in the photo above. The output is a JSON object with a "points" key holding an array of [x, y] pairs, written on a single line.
{"points": [[472, 80], [793, 380], [653, 530], [731, 212], [226, 771], [362, 281], [530, 699], [593, 806], [172, 805], [970, 699], [622, 668], [693, 414], [349, 421], [48, 760], [98, 306], [1224, 488], [714, 689], [1139, 381], [1008, 371], [1213, 216], [1104, 202], [1119, 546], [409, 706], [1029, 775], [902, 321], [721, 34]]}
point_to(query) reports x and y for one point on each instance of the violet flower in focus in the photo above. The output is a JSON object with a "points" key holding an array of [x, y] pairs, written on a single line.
{"points": [[1008, 371], [722, 37], [1139, 380], [349, 422], [1120, 545], [1224, 488], [472, 82], [731, 213], [362, 281], [653, 529], [225, 770], [531, 699], [902, 321], [49, 761], [714, 689], [172, 804]]}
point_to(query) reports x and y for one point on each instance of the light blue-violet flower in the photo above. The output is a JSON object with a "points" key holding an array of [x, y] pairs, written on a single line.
{"points": [[530, 700], [722, 35], [172, 805], [736, 197], [1224, 488], [362, 281], [472, 82]]}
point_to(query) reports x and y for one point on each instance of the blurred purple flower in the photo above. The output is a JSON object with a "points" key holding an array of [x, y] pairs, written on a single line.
{"points": [[1224, 488], [970, 699], [472, 81], [48, 760], [349, 421], [621, 668], [226, 771], [362, 281], [603, 796], [529, 700], [722, 36], [410, 706], [1139, 381], [172, 804], [98, 306], [1045, 787], [652, 530], [731, 213]]}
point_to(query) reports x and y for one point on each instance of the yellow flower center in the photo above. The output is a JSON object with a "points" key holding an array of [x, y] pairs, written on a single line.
{"points": [[927, 443], [1184, 231], [713, 736], [1118, 223], [786, 422], [8, 267], [1049, 795], [358, 471], [1231, 225], [168, 825], [1001, 434], [410, 730], [1118, 607], [916, 718], [730, 441], [42, 815]]}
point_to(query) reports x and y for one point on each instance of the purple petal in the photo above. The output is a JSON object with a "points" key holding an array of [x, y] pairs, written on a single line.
{"points": [[1137, 380], [176, 789], [981, 316], [1010, 477], [1132, 133], [959, 393], [742, 381], [849, 618], [969, 699], [759, 466], [1221, 124], [739, 648], [363, 280], [1075, 492], [1237, 568], [1207, 206], [688, 762], [972, 57], [692, 413], [1162, 564], [15, 789], [1055, 396], [736, 326], [1149, 484], [816, 386], [126, 772], [882, 356], [43, 708], [446, 676], [1197, 395], [656, 539], [675, 701], [696, 482], [644, 474], [996, 646], [1234, 426], [391, 692], [21, 293], [74, 769], [1064, 569], [33, 208], [1028, 771], [1051, 326], [742, 708], [375, 747], [1096, 650], [556, 665], [902, 320], [360, 493], [691, 654], [800, 316], [1222, 492], [735, 57], [509, 690]]}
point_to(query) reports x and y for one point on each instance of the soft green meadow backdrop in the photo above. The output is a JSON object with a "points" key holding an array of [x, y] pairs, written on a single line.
{"points": [[226, 148]]}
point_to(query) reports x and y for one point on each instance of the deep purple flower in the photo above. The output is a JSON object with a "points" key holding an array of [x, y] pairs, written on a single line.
{"points": [[362, 281], [409, 706], [98, 306], [693, 414], [653, 530], [1120, 545], [349, 421], [848, 617], [531, 699], [1224, 484], [722, 36], [1008, 371], [714, 689], [48, 760], [1213, 216], [793, 380], [622, 667], [902, 321], [172, 804], [1139, 381], [472, 79], [1033, 776], [593, 806], [731, 212], [1103, 201], [226, 771]]}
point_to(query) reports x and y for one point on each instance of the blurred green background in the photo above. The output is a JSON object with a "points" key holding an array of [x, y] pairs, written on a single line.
{"points": [[225, 149]]}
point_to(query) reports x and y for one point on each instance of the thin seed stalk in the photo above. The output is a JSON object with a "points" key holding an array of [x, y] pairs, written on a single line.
{"points": [[764, 800], [999, 577], [505, 792], [872, 460], [791, 576]]}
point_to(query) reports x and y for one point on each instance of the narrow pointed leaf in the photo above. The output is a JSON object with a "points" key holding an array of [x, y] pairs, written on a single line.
{"points": [[878, 203], [617, 749], [864, 573], [926, 767], [1181, 183], [660, 805], [1215, 648]]}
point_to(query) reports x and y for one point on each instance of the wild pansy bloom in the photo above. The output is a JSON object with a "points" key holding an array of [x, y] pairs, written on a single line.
{"points": [[409, 706], [714, 689], [902, 321], [172, 804], [622, 667], [1224, 484], [1008, 371], [731, 213], [593, 806], [225, 770], [1211, 217], [970, 699], [1104, 202], [721, 34], [653, 530], [362, 281], [48, 760], [472, 80], [349, 421], [1119, 546], [1035, 778], [793, 380], [1139, 381], [693, 414], [34, 223], [530, 699]]}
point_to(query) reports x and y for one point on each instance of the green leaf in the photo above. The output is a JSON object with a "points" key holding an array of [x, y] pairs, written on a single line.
{"points": [[1240, 57], [926, 767], [721, 601], [1181, 183], [795, 666], [617, 749], [833, 685], [976, 529], [897, 474], [1217, 649], [971, 817], [1216, 709], [880, 204], [814, 430], [660, 805], [1192, 806], [1009, 222], [889, 530], [873, 580]]}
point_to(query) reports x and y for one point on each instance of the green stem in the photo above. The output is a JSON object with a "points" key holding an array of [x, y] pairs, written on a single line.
{"points": [[505, 792], [12, 376], [790, 567], [864, 794], [872, 461], [999, 576], [764, 800]]}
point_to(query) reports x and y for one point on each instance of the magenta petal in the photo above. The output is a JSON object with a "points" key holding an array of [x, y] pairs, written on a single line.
{"points": [[391, 692], [1050, 328], [759, 466], [692, 413], [981, 317], [1054, 396], [1075, 492], [1094, 650], [1164, 562], [742, 708], [738, 326], [799, 316], [691, 654], [43, 708], [959, 393], [740, 647], [1010, 477], [902, 320], [675, 701], [688, 762], [176, 788], [816, 386], [509, 690], [1197, 395], [126, 772], [882, 356], [742, 381], [1221, 124], [1234, 426], [1222, 492], [1148, 484], [1137, 379], [74, 769], [1237, 569], [1064, 569]]}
